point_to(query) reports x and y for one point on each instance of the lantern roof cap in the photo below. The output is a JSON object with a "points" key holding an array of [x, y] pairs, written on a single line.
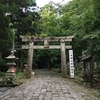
{"points": [[86, 57], [11, 56]]}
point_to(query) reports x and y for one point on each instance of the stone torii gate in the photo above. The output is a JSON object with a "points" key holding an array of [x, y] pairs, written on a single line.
{"points": [[31, 46]]}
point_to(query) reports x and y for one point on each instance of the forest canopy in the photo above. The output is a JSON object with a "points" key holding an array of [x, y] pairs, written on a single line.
{"points": [[80, 18]]}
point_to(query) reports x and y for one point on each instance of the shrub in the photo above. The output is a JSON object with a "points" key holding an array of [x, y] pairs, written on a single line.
{"points": [[2, 62], [3, 65], [97, 72]]}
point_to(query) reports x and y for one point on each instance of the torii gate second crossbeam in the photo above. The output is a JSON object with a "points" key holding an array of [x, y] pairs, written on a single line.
{"points": [[46, 45]]}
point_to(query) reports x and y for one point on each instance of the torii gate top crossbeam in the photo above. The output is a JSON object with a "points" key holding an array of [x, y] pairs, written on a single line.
{"points": [[50, 39], [46, 42]]}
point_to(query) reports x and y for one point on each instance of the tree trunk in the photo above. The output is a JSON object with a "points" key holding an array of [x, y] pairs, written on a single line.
{"points": [[0, 57], [48, 62], [22, 62], [0, 54]]}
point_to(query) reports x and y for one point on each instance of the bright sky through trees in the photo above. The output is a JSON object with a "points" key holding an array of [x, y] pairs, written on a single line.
{"points": [[41, 3]]}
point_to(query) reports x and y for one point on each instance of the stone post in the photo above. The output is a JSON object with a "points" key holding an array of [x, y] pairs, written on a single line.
{"points": [[30, 59], [63, 59]]}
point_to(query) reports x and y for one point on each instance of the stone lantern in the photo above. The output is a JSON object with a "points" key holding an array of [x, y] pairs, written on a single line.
{"points": [[10, 77]]}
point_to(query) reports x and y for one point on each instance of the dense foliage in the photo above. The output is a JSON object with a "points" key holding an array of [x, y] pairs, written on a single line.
{"points": [[16, 19], [5, 32], [80, 18]]}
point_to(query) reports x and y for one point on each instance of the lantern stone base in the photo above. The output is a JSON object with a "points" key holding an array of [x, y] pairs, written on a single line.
{"points": [[10, 78]]}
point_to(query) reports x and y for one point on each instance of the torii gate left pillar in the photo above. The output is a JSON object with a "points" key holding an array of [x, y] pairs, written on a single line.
{"points": [[30, 57]]}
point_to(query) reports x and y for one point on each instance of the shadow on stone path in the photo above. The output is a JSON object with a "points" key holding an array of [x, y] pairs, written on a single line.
{"points": [[48, 85]]}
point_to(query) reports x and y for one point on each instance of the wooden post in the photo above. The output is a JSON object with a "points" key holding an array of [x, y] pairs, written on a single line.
{"points": [[22, 61], [30, 60], [91, 72], [63, 59]]}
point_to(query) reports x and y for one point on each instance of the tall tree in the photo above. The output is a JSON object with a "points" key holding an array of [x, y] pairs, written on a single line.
{"points": [[6, 35]]}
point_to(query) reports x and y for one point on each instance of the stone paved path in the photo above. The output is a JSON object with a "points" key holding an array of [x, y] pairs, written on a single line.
{"points": [[47, 85]]}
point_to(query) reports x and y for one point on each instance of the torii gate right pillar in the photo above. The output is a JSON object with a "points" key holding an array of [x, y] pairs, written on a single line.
{"points": [[63, 59]]}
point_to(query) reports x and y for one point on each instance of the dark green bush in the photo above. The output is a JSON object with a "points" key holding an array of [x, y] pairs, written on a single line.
{"points": [[2, 62], [97, 72], [3, 65], [77, 71]]}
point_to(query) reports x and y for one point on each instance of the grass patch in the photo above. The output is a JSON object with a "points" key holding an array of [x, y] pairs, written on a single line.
{"points": [[20, 74]]}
